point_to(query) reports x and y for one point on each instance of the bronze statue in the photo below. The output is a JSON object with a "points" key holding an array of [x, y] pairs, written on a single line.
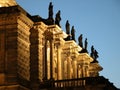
{"points": [[67, 27], [86, 44], [92, 51], [96, 55], [50, 11], [58, 18], [73, 33], [80, 41]]}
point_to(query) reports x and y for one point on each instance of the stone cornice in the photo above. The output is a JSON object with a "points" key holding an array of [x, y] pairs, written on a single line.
{"points": [[25, 20], [57, 30], [84, 57], [40, 25], [72, 44], [95, 67]]}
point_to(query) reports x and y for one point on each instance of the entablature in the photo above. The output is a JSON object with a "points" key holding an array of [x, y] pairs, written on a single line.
{"points": [[95, 67], [57, 31], [84, 57], [40, 26]]}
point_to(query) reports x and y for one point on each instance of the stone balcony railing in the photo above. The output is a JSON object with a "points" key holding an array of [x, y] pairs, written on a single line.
{"points": [[79, 82]]}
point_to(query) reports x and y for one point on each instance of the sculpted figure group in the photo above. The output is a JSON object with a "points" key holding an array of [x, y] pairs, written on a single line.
{"points": [[71, 35], [94, 53], [50, 16], [58, 18]]}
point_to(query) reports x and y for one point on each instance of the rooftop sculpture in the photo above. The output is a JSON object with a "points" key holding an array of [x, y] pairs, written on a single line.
{"points": [[58, 18], [73, 33], [80, 40]]}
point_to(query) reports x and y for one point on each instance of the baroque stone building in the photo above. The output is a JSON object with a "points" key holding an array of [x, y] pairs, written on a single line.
{"points": [[35, 53]]}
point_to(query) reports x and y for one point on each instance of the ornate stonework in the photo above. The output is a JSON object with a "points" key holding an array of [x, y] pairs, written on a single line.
{"points": [[34, 54], [40, 49]]}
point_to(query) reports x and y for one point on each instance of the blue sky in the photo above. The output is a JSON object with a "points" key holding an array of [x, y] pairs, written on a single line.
{"points": [[97, 20]]}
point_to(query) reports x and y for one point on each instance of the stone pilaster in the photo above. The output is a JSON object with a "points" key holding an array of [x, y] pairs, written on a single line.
{"points": [[34, 59], [39, 28]]}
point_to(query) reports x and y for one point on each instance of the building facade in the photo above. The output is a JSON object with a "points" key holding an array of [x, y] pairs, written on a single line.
{"points": [[36, 53]]}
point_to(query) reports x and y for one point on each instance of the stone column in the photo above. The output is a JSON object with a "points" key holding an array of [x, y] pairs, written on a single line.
{"points": [[59, 72], [82, 71], [75, 68], [65, 70], [45, 62], [79, 72], [84, 68], [69, 67], [51, 58]]}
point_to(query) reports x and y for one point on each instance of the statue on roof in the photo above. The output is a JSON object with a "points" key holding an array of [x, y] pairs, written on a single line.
{"points": [[58, 18], [73, 33], [50, 11], [86, 44], [92, 51], [80, 40], [50, 20], [96, 55], [7, 3], [67, 27]]}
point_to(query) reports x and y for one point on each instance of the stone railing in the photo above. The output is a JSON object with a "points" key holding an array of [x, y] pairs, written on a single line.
{"points": [[94, 82], [70, 83], [79, 82]]}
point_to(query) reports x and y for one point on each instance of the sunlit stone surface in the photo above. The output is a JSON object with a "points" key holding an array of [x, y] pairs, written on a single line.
{"points": [[7, 3], [36, 56]]}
